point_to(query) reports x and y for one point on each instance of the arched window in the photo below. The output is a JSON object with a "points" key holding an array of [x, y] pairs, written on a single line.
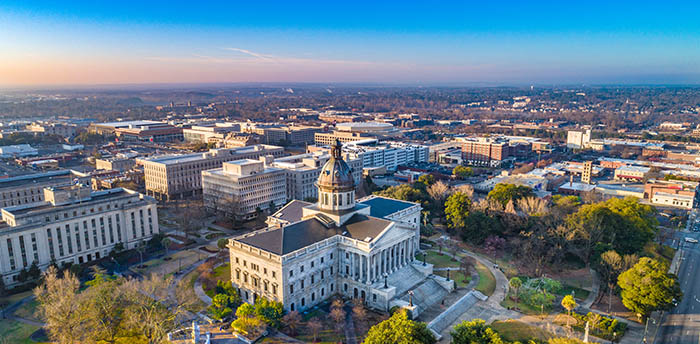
{"points": [[335, 199]]}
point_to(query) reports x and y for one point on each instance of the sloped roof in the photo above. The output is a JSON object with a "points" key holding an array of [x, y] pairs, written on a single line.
{"points": [[298, 235], [382, 206], [292, 212]]}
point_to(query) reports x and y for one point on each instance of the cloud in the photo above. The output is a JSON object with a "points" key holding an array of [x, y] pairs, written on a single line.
{"points": [[253, 54]]}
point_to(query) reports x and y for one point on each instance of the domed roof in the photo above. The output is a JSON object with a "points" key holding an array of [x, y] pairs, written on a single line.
{"points": [[336, 175]]}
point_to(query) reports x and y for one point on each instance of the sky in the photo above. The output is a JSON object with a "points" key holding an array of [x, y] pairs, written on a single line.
{"points": [[380, 42]]}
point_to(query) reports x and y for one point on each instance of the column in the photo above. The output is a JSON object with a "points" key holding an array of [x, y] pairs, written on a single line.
{"points": [[368, 271]]}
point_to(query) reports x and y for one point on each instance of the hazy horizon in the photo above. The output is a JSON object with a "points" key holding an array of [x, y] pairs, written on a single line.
{"points": [[82, 44]]}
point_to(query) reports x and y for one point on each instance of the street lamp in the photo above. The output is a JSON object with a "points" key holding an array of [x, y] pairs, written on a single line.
{"points": [[385, 277], [423, 258], [410, 298], [448, 274]]}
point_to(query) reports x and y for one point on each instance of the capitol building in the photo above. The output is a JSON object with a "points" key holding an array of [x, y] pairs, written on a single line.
{"points": [[361, 249]]}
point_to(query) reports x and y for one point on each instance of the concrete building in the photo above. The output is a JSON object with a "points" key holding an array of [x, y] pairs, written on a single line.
{"points": [[303, 170], [676, 193], [586, 172], [29, 188], [73, 225], [46, 128], [109, 128], [116, 164], [387, 154], [578, 139], [327, 139], [361, 249], [376, 128], [631, 173], [242, 186], [159, 132], [205, 134], [17, 151], [485, 151], [173, 176]]}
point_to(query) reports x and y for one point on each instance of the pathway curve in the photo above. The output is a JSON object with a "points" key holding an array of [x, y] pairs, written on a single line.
{"points": [[350, 336], [595, 289]]}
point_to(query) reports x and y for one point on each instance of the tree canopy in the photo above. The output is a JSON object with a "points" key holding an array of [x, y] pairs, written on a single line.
{"points": [[504, 193], [475, 332], [400, 330], [648, 287], [457, 209]]}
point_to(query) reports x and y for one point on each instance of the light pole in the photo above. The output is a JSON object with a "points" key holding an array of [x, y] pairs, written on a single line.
{"points": [[423, 258], [410, 298], [385, 277], [448, 274]]}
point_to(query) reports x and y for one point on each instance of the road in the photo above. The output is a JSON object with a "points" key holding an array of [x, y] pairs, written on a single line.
{"points": [[682, 323]]}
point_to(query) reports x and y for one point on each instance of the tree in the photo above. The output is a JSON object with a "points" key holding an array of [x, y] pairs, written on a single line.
{"points": [[359, 311], [427, 179], [191, 218], [271, 312], [478, 226], [457, 209], [221, 306], [569, 304], [338, 316], [314, 326], [462, 172], [475, 332], [504, 193], [648, 287], [438, 192], [222, 243], [403, 192], [292, 320], [610, 267], [62, 307], [465, 264], [165, 242], [515, 283], [107, 303], [153, 311], [398, 329]]}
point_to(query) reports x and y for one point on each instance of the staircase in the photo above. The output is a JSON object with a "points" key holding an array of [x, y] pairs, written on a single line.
{"points": [[405, 279], [426, 294]]}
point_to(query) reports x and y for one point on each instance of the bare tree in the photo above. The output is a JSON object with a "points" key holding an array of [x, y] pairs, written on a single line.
{"points": [[532, 206], [191, 218], [152, 311], [360, 312], [62, 307], [315, 326], [439, 191], [292, 320], [106, 303], [338, 315], [465, 189]]}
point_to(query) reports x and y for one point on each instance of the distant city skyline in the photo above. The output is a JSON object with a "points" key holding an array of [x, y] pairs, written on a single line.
{"points": [[415, 43]]}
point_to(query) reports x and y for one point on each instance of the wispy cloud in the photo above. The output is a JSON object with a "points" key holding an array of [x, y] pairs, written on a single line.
{"points": [[251, 53]]}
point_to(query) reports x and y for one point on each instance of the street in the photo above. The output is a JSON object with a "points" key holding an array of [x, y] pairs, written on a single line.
{"points": [[682, 323]]}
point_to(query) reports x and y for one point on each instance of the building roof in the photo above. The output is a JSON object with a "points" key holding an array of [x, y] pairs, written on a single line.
{"points": [[382, 207], [62, 175], [298, 235], [292, 212]]}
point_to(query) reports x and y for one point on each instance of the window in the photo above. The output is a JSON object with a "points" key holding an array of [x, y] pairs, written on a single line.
{"points": [[291, 288], [321, 260], [323, 291], [331, 256], [274, 275], [345, 286], [291, 273], [313, 297], [321, 274], [302, 284], [301, 269], [312, 279], [331, 287], [291, 307], [303, 301], [312, 264], [331, 271]]}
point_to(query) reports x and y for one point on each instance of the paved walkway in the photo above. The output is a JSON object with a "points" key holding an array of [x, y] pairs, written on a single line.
{"points": [[595, 289]]}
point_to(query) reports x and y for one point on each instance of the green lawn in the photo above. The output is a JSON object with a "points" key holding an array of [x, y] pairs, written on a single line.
{"points": [[487, 283], [16, 332], [513, 330], [460, 279], [522, 307], [579, 294], [438, 260], [11, 299], [221, 273], [28, 310], [198, 305]]}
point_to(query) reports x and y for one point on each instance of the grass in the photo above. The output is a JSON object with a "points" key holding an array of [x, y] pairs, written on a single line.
{"points": [[16, 332], [487, 283], [28, 310], [460, 279], [522, 307], [214, 235], [11, 299], [513, 330], [197, 305], [438, 260], [579, 294], [221, 273]]}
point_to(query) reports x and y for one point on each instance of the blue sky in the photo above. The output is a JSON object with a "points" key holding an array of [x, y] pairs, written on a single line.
{"points": [[469, 42]]}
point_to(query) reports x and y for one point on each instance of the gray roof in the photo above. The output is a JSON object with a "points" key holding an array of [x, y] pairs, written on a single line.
{"points": [[298, 235], [292, 212], [382, 206]]}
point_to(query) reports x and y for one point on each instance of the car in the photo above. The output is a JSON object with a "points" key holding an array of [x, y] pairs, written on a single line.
{"points": [[691, 240]]}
